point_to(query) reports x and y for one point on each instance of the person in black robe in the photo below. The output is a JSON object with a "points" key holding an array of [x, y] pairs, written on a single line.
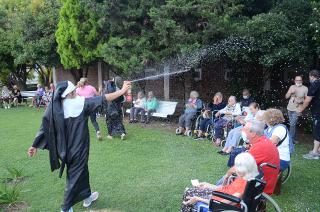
{"points": [[113, 110], [64, 132]]}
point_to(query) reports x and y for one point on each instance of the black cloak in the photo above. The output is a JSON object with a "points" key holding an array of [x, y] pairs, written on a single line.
{"points": [[67, 139]]}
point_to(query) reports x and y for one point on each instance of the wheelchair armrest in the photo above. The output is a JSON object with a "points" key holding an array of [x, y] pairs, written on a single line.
{"points": [[226, 196], [268, 164]]}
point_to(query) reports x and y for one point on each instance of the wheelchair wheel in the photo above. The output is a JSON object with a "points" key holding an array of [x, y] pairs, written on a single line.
{"points": [[223, 142], [189, 133], [267, 204], [178, 131], [286, 174]]}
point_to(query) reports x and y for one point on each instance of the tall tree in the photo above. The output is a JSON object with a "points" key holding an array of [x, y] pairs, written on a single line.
{"points": [[79, 34]]}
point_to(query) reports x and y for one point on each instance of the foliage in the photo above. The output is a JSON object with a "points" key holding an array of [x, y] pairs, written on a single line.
{"points": [[15, 174], [79, 33], [29, 43], [9, 195], [315, 25]]}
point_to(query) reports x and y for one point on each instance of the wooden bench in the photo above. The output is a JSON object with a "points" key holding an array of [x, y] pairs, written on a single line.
{"points": [[165, 109]]}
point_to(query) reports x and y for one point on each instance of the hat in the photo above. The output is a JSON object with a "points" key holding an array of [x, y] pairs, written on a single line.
{"points": [[68, 90]]}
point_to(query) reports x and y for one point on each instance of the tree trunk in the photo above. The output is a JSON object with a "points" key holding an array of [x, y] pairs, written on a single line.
{"points": [[76, 74]]}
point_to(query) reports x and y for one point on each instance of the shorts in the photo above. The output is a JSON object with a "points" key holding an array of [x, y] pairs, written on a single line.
{"points": [[316, 128]]}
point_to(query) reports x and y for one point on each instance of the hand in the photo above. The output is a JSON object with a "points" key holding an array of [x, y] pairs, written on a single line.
{"points": [[217, 114], [126, 86], [32, 151], [203, 185], [191, 200], [292, 91], [300, 110]]}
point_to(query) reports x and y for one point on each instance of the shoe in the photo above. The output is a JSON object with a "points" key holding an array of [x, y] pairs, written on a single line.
{"points": [[198, 138], [220, 152], [109, 137], [131, 121], [311, 156], [225, 153], [93, 197], [123, 136], [99, 137], [311, 152], [142, 122], [70, 210]]}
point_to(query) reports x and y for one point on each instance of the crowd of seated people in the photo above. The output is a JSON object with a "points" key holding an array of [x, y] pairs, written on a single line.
{"points": [[143, 106], [265, 138]]}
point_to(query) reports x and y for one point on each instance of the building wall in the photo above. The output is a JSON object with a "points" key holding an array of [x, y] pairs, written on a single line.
{"points": [[62, 75]]}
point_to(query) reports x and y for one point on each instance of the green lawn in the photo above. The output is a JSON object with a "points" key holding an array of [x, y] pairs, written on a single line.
{"points": [[147, 172]]}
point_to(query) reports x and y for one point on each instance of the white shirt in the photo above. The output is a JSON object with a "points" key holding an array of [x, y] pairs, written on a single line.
{"points": [[284, 151]]}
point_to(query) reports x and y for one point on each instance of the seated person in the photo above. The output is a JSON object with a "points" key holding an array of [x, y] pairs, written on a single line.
{"points": [[263, 151], [138, 107], [279, 135], [230, 111], [193, 105], [234, 135], [245, 168], [214, 106], [150, 106], [247, 99], [6, 95], [17, 97]]}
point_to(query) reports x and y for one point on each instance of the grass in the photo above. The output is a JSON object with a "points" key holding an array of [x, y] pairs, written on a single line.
{"points": [[147, 172]]}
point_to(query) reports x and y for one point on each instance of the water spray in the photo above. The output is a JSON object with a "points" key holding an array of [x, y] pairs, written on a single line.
{"points": [[160, 75]]}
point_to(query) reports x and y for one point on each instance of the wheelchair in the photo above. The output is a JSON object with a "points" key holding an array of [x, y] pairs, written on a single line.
{"points": [[226, 129], [195, 124], [253, 199], [285, 174]]}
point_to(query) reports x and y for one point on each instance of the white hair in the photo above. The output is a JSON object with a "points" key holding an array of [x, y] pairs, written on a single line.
{"points": [[233, 97], [246, 166], [194, 94], [257, 126]]}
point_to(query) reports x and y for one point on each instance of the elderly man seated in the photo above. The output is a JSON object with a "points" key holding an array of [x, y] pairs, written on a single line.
{"points": [[263, 151], [245, 168], [234, 135], [193, 105]]}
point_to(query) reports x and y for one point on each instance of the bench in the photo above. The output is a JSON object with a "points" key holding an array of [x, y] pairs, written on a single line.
{"points": [[27, 95], [165, 109]]}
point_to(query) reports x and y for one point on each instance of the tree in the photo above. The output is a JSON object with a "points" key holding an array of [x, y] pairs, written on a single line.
{"points": [[79, 34]]}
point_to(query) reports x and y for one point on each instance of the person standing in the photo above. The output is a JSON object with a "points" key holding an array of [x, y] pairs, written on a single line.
{"points": [[113, 110], [88, 91], [296, 95], [313, 99], [64, 132], [247, 99]]}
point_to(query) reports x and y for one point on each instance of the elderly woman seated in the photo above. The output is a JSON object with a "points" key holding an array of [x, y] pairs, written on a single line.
{"points": [[150, 106], [193, 105], [234, 135], [232, 110], [246, 169], [279, 135], [213, 107]]}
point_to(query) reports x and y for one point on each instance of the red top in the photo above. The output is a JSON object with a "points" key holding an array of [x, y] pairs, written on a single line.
{"points": [[264, 151], [237, 186]]}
